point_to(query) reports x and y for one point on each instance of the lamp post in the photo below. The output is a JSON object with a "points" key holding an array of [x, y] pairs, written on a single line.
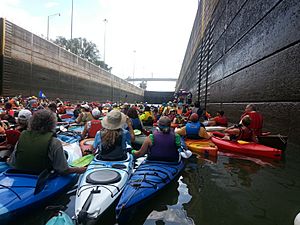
{"points": [[72, 21], [133, 68], [104, 39], [56, 14]]}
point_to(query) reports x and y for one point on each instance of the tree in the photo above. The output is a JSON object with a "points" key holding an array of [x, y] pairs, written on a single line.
{"points": [[83, 48]]}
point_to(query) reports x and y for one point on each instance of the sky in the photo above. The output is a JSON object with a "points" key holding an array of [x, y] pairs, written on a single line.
{"points": [[143, 38]]}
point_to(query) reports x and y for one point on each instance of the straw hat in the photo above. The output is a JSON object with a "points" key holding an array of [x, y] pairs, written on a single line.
{"points": [[114, 120]]}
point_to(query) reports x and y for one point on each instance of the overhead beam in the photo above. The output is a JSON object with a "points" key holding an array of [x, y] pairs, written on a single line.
{"points": [[151, 79]]}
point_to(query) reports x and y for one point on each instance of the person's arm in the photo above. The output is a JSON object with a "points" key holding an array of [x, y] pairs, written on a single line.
{"points": [[58, 159], [143, 150], [181, 131], [203, 133], [232, 131], [130, 129], [79, 118], [85, 130]]}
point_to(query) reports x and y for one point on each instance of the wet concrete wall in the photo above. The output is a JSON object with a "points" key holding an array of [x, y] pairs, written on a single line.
{"points": [[158, 97], [245, 51], [30, 63]]}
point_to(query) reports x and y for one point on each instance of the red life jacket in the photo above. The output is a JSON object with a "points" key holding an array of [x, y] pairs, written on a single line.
{"points": [[256, 122], [95, 127], [221, 121]]}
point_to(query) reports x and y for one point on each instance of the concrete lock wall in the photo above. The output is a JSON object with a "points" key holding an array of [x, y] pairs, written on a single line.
{"points": [[243, 52], [30, 63], [158, 97]]}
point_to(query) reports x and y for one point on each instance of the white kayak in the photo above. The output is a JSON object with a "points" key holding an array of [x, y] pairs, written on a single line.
{"points": [[214, 128], [72, 151], [100, 186]]}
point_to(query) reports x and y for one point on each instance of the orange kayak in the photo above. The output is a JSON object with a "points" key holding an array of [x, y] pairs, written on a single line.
{"points": [[203, 146], [86, 145]]}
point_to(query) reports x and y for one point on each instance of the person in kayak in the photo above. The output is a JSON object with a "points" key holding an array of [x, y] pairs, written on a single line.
{"points": [[85, 115], [23, 118], [256, 119], [219, 120], [147, 117], [93, 126], [53, 107], [38, 150], [241, 131], [111, 142], [135, 120], [162, 145], [193, 129]]}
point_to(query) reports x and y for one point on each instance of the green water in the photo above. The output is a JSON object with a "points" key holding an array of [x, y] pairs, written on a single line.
{"points": [[224, 191]]}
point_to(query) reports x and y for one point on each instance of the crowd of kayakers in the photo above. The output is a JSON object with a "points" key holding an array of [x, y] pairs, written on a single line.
{"points": [[28, 126]]}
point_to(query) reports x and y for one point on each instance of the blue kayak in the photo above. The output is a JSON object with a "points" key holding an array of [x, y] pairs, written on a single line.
{"points": [[3, 166], [149, 178], [76, 128], [20, 191], [69, 137]]}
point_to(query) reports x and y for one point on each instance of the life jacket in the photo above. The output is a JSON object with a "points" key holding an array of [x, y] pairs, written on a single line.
{"points": [[32, 151], [164, 147], [256, 122], [113, 153], [192, 130], [221, 121], [94, 128], [136, 123]]}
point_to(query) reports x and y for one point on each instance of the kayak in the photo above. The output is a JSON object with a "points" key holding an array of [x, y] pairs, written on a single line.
{"points": [[203, 146], [100, 186], [138, 141], [72, 151], [60, 219], [214, 128], [69, 137], [247, 148], [76, 128], [86, 145], [148, 179], [23, 190], [3, 166]]}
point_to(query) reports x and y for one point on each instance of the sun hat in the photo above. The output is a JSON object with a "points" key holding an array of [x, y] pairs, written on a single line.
{"points": [[114, 120], [24, 114], [96, 112]]}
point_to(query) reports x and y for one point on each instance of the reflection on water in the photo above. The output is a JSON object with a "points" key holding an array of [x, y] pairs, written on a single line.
{"points": [[227, 190]]}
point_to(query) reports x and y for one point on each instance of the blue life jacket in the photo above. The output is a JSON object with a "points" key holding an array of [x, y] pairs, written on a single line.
{"points": [[136, 124], [192, 130]]}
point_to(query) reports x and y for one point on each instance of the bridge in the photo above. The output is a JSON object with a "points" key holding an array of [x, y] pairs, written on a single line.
{"points": [[151, 79]]}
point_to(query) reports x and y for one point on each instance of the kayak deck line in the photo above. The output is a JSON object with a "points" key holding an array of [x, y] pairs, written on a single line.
{"points": [[102, 186]]}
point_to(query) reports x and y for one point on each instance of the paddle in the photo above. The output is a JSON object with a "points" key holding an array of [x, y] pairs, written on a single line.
{"points": [[42, 178], [83, 161]]}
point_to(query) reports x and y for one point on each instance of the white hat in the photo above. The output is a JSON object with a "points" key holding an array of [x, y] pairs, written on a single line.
{"points": [[96, 112], [113, 120], [24, 114], [86, 106]]}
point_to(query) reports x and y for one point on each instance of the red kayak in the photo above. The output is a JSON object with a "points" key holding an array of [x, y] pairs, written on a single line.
{"points": [[247, 148]]}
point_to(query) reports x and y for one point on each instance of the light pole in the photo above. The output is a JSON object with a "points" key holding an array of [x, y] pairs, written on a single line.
{"points": [[133, 69], [104, 39], [56, 14], [72, 21]]}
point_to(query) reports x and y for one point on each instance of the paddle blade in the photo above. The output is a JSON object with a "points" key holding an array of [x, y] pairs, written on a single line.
{"points": [[83, 161]]}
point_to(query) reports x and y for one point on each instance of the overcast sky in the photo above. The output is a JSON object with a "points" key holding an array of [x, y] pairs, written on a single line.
{"points": [[143, 37]]}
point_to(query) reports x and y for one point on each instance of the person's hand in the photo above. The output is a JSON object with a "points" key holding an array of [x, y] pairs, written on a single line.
{"points": [[81, 170]]}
